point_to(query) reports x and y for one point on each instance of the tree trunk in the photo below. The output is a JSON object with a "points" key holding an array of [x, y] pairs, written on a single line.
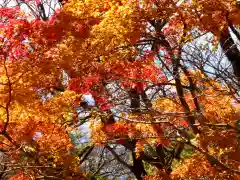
{"points": [[138, 168], [231, 51]]}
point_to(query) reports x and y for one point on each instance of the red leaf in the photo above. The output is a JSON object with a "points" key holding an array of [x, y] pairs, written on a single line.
{"points": [[185, 124]]}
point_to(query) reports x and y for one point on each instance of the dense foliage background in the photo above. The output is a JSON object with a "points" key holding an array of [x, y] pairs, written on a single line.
{"points": [[117, 89]]}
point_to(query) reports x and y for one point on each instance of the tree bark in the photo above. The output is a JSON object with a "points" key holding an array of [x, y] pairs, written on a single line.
{"points": [[231, 51], [138, 168]]}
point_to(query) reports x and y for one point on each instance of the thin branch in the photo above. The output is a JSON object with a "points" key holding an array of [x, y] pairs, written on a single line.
{"points": [[213, 160], [86, 153], [117, 157]]}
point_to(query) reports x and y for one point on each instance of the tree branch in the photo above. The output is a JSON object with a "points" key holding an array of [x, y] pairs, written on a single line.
{"points": [[117, 157]]}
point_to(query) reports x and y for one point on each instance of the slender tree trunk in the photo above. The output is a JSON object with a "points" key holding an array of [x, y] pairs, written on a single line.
{"points": [[231, 51], [138, 168]]}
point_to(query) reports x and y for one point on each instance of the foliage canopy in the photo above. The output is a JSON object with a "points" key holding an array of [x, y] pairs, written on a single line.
{"points": [[163, 75]]}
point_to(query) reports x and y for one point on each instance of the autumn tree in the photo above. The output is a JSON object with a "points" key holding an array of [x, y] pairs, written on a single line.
{"points": [[160, 94]]}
